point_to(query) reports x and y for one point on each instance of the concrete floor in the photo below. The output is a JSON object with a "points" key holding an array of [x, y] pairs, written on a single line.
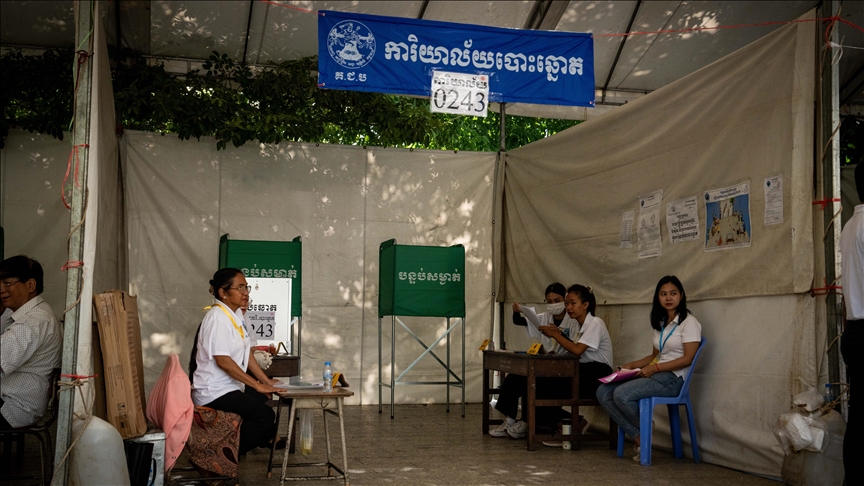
{"points": [[424, 445]]}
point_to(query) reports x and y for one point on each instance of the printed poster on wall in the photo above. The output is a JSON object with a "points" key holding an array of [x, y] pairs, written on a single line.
{"points": [[773, 200], [650, 240], [727, 217], [625, 237], [682, 220]]}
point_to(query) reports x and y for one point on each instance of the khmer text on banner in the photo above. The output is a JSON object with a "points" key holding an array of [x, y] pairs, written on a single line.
{"points": [[397, 55]]}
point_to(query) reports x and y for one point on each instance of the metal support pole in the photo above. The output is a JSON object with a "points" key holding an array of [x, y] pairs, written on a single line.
{"points": [[380, 380], [392, 364], [82, 77], [448, 367], [502, 142], [464, 379], [830, 146]]}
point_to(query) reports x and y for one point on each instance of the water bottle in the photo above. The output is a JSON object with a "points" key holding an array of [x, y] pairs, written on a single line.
{"points": [[566, 429], [829, 395], [328, 377]]}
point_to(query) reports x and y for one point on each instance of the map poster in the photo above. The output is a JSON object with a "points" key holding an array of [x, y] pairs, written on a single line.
{"points": [[727, 217]]}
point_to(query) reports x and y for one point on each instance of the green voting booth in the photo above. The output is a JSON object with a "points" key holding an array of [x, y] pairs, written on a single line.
{"points": [[422, 281], [269, 259]]}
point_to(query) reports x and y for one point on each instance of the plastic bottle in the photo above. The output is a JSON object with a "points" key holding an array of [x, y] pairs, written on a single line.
{"points": [[98, 457], [328, 377], [566, 430], [829, 395]]}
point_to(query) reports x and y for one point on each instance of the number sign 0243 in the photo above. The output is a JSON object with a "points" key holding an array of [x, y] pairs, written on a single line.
{"points": [[460, 93]]}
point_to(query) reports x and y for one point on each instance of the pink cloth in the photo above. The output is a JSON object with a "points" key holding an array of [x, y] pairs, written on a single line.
{"points": [[170, 407]]}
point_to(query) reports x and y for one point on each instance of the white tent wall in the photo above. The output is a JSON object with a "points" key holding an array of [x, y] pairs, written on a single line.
{"points": [[343, 202], [745, 117]]}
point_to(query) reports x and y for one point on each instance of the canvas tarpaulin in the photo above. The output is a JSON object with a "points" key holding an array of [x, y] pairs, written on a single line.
{"points": [[343, 202], [746, 117]]}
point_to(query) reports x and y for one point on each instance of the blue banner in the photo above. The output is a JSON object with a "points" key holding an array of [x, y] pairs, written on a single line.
{"points": [[399, 55]]}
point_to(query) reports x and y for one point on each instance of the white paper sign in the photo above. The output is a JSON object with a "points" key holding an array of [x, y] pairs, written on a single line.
{"points": [[682, 220], [650, 242], [269, 312], [773, 200], [460, 93], [627, 229]]}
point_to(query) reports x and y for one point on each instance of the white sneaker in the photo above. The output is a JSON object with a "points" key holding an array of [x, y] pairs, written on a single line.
{"points": [[517, 430], [500, 431]]}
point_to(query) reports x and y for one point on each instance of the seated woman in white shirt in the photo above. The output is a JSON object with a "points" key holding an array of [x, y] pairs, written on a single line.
{"points": [[220, 357], [515, 387], [588, 338], [677, 335]]}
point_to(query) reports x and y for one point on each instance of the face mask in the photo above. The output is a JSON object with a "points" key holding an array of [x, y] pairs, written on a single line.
{"points": [[555, 309]]}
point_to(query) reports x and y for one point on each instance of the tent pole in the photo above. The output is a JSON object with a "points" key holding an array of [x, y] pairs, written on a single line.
{"points": [[829, 150], [80, 140]]}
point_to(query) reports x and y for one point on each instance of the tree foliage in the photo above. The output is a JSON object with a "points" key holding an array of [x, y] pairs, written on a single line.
{"points": [[238, 104]]}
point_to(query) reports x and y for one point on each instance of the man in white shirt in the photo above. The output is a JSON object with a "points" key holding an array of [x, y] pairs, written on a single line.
{"points": [[29, 346], [852, 341]]}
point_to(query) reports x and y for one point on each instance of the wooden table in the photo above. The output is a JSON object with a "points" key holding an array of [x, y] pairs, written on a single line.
{"points": [[325, 401], [533, 367]]}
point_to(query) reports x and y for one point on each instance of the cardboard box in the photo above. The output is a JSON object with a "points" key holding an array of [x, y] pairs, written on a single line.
{"points": [[120, 339]]}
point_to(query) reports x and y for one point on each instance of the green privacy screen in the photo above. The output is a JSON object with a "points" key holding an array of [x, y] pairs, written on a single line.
{"points": [[421, 280], [266, 259]]}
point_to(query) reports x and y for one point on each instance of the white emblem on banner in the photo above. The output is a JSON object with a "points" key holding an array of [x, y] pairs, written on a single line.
{"points": [[351, 44], [459, 93]]}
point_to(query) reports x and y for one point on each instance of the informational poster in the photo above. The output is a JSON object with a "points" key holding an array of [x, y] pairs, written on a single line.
{"points": [[682, 220], [773, 200], [650, 241], [267, 318], [727, 217], [627, 229], [459, 94]]}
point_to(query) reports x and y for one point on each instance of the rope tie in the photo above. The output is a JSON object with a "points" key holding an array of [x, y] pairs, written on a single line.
{"points": [[74, 154], [77, 383]]}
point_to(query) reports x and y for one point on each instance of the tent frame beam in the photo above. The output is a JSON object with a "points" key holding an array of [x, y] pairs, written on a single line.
{"points": [[84, 26]]}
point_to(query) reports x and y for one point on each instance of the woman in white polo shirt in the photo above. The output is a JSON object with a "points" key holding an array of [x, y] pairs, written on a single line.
{"points": [[220, 357], [677, 335]]}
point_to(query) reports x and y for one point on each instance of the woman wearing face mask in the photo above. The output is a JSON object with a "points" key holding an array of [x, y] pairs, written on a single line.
{"points": [[677, 335], [516, 386], [587, 338]]}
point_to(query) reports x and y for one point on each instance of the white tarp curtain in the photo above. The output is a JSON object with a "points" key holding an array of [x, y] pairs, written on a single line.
{"points": [[343, 201], [746, 117], [33, 216]]}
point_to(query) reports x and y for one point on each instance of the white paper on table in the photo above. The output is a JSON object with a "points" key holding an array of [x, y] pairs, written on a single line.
{"points": [[773, 200], [533, 321], [650, 240]]}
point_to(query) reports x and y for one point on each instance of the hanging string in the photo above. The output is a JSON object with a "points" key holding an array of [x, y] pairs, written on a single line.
{"points": [[73, 154]]}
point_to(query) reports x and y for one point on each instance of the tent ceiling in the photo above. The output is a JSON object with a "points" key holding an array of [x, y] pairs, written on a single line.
{"points": [[281, 30]]}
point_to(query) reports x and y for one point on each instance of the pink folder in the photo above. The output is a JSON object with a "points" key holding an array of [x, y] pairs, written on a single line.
{"points": [[620, 375]]}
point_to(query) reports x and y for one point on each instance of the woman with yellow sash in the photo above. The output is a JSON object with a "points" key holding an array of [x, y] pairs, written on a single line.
{"points": [[677, 335], [220, 357]]}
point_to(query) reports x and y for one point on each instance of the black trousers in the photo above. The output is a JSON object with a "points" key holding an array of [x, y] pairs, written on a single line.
{"points": [[852, 347], [4, 424], [515, 387], [259, 421]]}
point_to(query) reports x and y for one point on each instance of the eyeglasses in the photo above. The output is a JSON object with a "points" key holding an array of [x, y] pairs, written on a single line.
{"points": [[243, 289], [7, 283]]}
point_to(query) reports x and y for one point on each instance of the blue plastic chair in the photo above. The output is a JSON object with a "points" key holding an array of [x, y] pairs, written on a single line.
{"points": [[646, 412]]}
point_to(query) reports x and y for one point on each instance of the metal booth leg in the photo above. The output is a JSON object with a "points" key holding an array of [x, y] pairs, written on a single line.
{"points": [[448, 365], [463, 367], [392, 364], [380, 379]]}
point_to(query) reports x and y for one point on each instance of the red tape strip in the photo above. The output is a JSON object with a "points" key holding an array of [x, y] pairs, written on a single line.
{"points": [[824, 202]]}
